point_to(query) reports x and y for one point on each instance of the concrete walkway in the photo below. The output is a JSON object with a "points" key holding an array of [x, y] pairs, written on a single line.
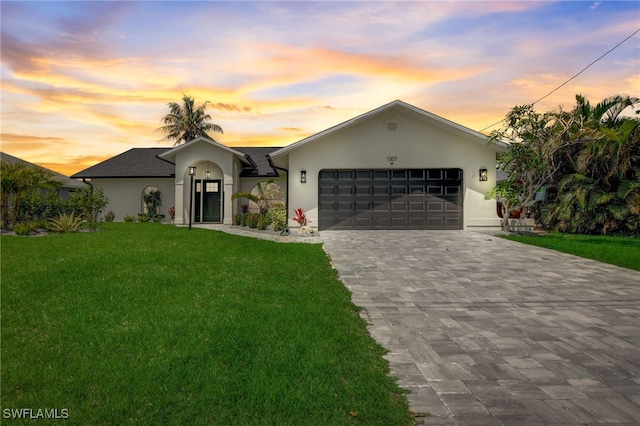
{"points": [[484, 331], [293, 237]]}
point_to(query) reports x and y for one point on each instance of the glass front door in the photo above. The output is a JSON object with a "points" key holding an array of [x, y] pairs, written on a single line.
{"points": [[208, 201]]}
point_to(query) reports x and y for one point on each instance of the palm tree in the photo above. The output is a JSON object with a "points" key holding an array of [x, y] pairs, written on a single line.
{"points": [[598, 191], [186, 122]]}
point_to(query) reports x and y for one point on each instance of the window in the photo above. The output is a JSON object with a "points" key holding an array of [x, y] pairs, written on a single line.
{"points": [[269, 193]]}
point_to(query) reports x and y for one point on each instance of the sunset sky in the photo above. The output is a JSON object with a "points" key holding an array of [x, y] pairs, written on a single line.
{"points": [[83, 81]]}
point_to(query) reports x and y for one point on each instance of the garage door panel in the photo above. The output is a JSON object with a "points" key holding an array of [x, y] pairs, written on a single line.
{"points": [[378, 206], [390, 199], [361, 190], [380, 174], [399, 206], [416, 206], [399, 174], [435, 206], [452, 207]]}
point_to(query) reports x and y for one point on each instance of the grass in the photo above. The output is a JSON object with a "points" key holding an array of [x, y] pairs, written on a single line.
{"points": [[620, 251], [154, 324]]}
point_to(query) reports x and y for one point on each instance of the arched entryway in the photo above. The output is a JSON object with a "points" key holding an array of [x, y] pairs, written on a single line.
{"points": [[208, 199]]}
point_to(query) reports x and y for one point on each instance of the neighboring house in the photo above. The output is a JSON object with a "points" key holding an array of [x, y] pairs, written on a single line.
{"points": [[395, 167], [68, 185]]}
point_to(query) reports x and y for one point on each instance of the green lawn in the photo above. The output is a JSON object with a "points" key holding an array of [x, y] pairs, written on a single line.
{"points": [[154, 324], [620, 251]]}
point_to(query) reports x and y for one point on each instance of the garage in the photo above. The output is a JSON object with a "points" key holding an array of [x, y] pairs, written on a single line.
{"points": [[390, 199]]}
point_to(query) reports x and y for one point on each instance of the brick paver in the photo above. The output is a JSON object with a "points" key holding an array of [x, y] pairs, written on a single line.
{"points": [[485, 331]]}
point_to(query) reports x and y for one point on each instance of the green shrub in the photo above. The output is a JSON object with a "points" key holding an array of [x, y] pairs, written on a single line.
{"points": [[252, 220], [87, 204], [65, 223], [244, 219], [109, 216], [24, 228], [237, 219], [37, 205], [143, 217], [263, 222], [278, 217], [129, 218]]}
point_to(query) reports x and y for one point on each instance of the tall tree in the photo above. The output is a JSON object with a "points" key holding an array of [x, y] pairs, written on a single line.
{"points": [[187, 121], [533, 139]]}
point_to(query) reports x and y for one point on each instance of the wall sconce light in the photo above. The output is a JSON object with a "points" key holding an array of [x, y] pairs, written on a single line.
{"points": [[303, 176], [483, 174]]}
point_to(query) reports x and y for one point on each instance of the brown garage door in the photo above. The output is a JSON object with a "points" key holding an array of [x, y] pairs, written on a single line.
{"points": [[390, 199]]}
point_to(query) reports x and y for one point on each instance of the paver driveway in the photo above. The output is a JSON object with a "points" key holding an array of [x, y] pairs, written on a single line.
{"points": [[487, 331]]}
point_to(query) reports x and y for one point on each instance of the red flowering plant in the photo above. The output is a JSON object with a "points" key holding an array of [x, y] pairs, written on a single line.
{"points": [[300, 217], [172, 213]]}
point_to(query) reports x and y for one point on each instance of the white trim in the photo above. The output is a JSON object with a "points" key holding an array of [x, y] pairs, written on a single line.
{"points": [[171, 153]]}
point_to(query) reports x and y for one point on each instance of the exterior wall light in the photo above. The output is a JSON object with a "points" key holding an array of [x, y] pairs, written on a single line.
{"points": [[192, 172], [303, 176], [483, 174]]}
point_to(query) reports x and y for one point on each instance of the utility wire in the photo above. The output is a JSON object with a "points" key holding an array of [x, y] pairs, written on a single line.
{"points": [[581, 71]]}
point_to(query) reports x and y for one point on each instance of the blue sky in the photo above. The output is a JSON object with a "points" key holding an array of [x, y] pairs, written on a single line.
{"points": [[83, 81]]}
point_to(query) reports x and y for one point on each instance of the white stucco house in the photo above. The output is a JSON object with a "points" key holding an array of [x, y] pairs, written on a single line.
{"points": [[394, 167]]}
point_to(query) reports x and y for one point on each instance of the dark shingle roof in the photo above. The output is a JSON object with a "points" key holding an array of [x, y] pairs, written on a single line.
{"points": [[65, 180], [137, 162], [144, 162], [258, 156]]}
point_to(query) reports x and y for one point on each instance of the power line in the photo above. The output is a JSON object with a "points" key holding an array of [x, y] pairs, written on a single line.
{"points": [[581, 71]]}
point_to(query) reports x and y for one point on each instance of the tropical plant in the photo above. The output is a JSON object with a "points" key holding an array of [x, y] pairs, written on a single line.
{"points": [[581, 157], [65, 223], [599, 191], [185, 121], [152, 201], [109, 216], [172, 213], [263, 222], [301, 217], [16, 180], [265, 192], [278, 215], [24, 228], [533, 140], [252, 219], [129, 218]]}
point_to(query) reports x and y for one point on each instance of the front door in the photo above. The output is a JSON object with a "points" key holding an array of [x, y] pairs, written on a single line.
{"points": [[208, 201]]}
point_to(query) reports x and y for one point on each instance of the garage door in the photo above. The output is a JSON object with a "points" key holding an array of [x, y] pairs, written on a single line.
{"points": [[390, 199]]}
